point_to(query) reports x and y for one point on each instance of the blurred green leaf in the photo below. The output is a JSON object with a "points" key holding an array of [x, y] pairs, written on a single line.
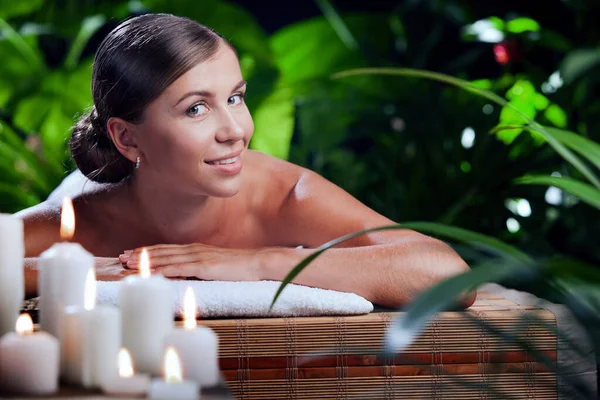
{"points": [[25, 48], [274, 123], [337, 23], [12, 8], [578, 62], [55, 132], [445, 295], [583, 191], [312, 49], [556, 115], [89, 26], [522, 24]]}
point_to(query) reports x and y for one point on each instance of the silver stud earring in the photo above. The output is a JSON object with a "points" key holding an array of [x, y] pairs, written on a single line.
{"points": [[137, 162]]}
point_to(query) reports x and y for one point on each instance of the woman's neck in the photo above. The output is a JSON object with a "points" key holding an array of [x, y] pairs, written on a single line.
{"points": [[171, 216]]}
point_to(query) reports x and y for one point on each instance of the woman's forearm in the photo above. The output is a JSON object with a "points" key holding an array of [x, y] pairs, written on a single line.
{"points": [[386, 274]]}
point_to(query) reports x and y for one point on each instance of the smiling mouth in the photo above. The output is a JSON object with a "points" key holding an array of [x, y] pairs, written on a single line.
{"points": [[224, 161]]}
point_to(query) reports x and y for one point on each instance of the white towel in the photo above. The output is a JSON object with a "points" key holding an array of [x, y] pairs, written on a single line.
{"points": [[252, 299]]}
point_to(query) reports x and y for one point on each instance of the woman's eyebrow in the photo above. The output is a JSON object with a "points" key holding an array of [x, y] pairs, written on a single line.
{"points": [[207, 93]]}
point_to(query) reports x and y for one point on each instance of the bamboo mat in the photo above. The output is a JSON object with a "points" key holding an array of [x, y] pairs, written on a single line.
{"points": [[455, 357]]}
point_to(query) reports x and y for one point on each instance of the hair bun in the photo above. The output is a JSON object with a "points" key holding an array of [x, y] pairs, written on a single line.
{"points": [[94, 152]]}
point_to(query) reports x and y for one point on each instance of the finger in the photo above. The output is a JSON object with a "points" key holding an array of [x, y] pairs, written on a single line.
{"points": [[158, 250]]}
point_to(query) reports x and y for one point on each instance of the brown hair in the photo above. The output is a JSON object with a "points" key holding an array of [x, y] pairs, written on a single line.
{"points": [[134, 64]]}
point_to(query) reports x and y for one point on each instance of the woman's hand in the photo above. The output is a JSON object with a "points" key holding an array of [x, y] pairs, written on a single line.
{"points": [[111, 269], [199, 261]]}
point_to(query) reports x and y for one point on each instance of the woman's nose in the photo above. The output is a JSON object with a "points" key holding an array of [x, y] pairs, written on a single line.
{"points": [[230, 128]]}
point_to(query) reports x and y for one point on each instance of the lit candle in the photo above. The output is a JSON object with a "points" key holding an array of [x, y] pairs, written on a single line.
{"points": [[62, 272], [28, 361], [197, 346], [127, 384], [173, 387], [146, 303], [12, 253], [91, 340]]}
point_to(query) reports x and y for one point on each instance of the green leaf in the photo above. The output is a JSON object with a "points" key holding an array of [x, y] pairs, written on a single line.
{"points": [[586, 147], [15, 149], [556, 115], [274, 123], [89, 26], [31, 112], [12, 8], [469, 237], [337, 23], [578, 62], [27, 51], [583, 191], [443, 296], [54, 134], [312, 48], [522, 24], [556, 145]]}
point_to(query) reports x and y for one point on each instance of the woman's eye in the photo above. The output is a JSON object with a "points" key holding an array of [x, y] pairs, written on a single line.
{"points": [[235, 99], [197, 109]]}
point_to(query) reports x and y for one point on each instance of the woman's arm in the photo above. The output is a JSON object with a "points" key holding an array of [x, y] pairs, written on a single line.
{"points": [[387, 267]]}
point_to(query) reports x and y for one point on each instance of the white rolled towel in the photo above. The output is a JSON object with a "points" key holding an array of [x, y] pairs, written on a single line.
{"points": [[252, 299]]}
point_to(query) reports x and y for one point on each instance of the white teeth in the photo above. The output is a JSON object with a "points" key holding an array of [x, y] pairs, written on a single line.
{"points": [[225, 161]]}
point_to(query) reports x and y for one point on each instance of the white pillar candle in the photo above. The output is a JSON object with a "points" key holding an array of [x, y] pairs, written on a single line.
{"points": [[12, 282], [127, 384], [62, 272], [173, 387], [197, 346], [28, 361], [146, 304], [90, 341]]}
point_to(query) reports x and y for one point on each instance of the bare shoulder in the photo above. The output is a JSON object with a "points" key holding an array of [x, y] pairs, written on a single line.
{"points": [[277, 177], [42, 227]]}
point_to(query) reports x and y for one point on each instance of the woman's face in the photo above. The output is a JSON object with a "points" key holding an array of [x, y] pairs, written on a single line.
{"points": [[194, 134]]}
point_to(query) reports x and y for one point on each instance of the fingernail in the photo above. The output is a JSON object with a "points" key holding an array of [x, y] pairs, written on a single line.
{"points": [[128, 252]]}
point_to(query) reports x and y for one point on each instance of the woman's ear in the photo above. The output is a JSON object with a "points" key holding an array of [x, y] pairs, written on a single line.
{"points": [[122, 134]]}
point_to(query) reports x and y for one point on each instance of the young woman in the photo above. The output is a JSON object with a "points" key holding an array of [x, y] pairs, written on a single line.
{"points": [[168, 138]]}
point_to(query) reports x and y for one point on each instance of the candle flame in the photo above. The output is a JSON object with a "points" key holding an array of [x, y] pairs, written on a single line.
{"points": [[89, 299], [125, 364], [144, 264], [189, 309], [67, 219], [24, 324], [172, 366]]}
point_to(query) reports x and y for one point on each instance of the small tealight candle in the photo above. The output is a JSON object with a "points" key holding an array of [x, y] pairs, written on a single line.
{"points": [[197, 345], [29, 361], [127, 384], [62, 272], [91, 340], [173, 387], [146, 303]]}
